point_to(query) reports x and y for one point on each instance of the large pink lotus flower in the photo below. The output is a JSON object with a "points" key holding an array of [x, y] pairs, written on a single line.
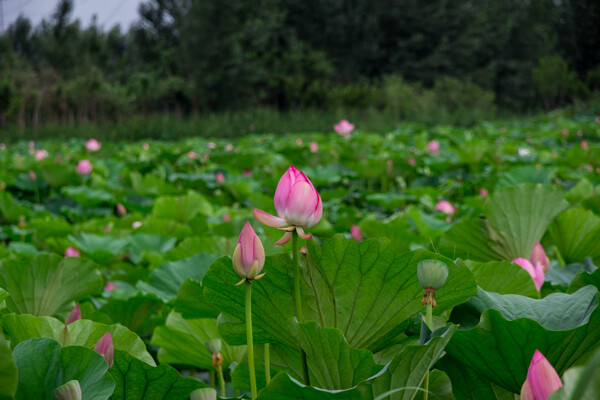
{"points": [[536, 272], [344, 128], [84, 167], [356, 233], [297, 203], [249, 255], [104, 347], [74, 315], [538, 255], [93, 145], [41, 154], [542, 380], [72, 252], [445, 206]]}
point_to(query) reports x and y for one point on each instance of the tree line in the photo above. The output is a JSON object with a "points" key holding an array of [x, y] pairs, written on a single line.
{"points": [[194, 56]]}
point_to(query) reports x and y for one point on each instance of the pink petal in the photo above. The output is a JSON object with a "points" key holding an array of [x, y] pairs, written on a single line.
{"points": [[284, 187], [268, 219], [305, 236], [539, 255], [541, 376], [302, 204], [533, 271], [246, 242], [284, 239], [356, 233], [74, 315], [104, 347]]}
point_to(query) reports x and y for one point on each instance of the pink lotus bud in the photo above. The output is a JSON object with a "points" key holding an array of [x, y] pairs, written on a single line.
{"points": [[109, 286], [584, 145], [2, 146], [542, 380], [121, 210], [303, 249], [565, 132], [220, 178], [247, 173], [146, 146], [356, 233], [74, 315], [536, 273], [390, 166], [412, 162], [538, 255], [228, 147], [31, 144], [58, 159], [104, 347], [249, 255], [598, 120], [580, 133], [344, 128], [445, 206], [108, 227], [72, 252], [136, 224], [205, 157], [211, 145], [193, 155], [297, 203], [84, 167], [226, 217], [314, 147], [93, 145], [299, 142], [483, 192], [32, 175], [41, 154], [433, 146]]}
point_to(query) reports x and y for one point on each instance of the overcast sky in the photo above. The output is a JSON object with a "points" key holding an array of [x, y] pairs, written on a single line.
{"points": [[109, 12]]}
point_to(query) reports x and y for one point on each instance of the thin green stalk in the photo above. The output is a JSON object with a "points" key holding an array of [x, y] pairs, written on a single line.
{"points": [[429, 322], [213, 380], [267, 364], [221, 380], [250, 340], [298, 301]]}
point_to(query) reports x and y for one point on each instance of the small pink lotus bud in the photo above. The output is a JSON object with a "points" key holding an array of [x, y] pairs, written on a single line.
{"points": [[356, 233], [303, 249], [32, 175], [584, 145], [565, 132], [193, 155], [538, 255], [297, 203], [580, 133], [136, 224], [483, 192], [104, 347], [344, 128], [74, 315], [299, 142], [445, 206], [228, 147], [247, 173], [433, 146], [597, 120], [542, 380], [536, 272], [31, 144], [412, 162], [146, 146], [109, 286], [108, 227], [390, 166], [205, 157], [211, 145], [72, 252], [2, 146], [41, 154], [93, 145], [220, 178], [121, 210], [314, 147], [226, 217], [249, 255], [84, 167]]}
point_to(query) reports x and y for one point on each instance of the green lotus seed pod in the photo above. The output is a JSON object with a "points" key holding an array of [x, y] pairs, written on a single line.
{"points": [[214, 346], [432, 273], [69, 391], [204, 394]]}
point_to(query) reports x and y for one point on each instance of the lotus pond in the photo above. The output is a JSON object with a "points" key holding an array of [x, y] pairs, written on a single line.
{"points": [[446, 263]]}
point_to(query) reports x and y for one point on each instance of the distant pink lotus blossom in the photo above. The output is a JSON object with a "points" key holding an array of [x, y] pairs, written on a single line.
{"points": [[344, 128], [84, 167], [580, 133], [536, 272], [445, 206], [542, 379], [41, 154], [108, 227], [2, 146], [121, 210], [93, 145], [598, 120], [565, 132], [104, 347], [74, 315], [390, 166], [538, 255], [412, 162], [211, 145], [356, 233], [584, 145], [314, 147], [220, 178], [483, 192], [228, 147], [433, 147], [31, 144], [193, 155], [303, 249], [205, 156], [72, 252], [247, 173], [226, 217], [146, 146], [299, 142], [136, 224], [109, 286], [32, 175]]}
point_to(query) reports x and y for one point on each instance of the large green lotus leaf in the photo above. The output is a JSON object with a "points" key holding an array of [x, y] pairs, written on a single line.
{"points": [[396, 229], [440, 386], [89, 197], [191, 303], [564, 276], [581, 383], [8, 371], [332, 363], [100, 248], [43, 366], [192, 245], [503, 277], [502, 344], [469, 239], [366, 289], [283, 386], [526, 174], [165, 227], [134, 312], [182, 208], [518, 216], [136, 380], [575, 234], [584, 278], [166, 280], [184, 341], [142, 244], [21, 327], [59, 174], [48, 283], [10, 209]]}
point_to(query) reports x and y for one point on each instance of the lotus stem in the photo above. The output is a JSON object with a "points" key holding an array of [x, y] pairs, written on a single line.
{"points": [[267, 364], [250, 340], [298, 301], [221, 380], [429, 322]]}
